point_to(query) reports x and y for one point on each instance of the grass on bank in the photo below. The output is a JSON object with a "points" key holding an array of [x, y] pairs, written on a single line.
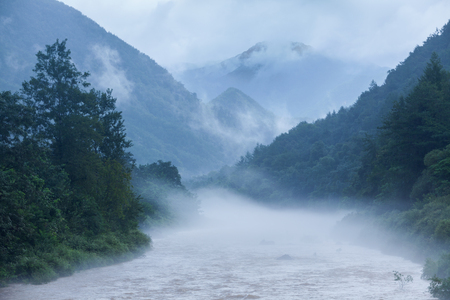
{"points": [[46, 263]]}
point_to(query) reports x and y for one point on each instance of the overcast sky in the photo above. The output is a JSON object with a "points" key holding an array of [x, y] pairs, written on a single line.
{"points": [[174, 32]]}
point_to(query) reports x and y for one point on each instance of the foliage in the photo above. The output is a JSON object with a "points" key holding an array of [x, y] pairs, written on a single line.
{"points": [[344, 158], [161, 114], [402, 279], [440, 288], [164, 198], [438, 272], [387, 154], [416, 125], [65, 181]]}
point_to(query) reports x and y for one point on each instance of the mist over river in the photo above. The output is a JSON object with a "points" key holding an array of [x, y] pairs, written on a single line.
{"points": [[232, 254]]}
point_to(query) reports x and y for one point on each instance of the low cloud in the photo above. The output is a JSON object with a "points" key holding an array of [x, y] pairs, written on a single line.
{"points": [[244, 135], [240, 217], [110, 75], [240, 130], [179, 31], [14, 62]]}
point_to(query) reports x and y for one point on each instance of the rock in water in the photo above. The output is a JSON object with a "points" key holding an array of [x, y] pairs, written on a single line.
{"points": [[285, 257]]}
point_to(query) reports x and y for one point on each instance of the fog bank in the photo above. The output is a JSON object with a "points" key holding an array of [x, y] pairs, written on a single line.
{"points": [[241, 250], [240, 218]]}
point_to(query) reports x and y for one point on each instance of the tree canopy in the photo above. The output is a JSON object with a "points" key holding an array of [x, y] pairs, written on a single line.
{"points": [[416, 125], [65, 173]]}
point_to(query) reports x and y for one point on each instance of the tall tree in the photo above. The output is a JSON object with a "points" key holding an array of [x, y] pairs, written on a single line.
{"points": [[416, 125], [86, 135]]}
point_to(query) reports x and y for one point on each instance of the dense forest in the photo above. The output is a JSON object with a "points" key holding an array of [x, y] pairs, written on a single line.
{"points": [[388, 155], [66, 196]]}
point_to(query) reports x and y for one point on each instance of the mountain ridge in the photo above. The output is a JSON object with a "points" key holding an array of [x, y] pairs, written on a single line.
{"points": [[286, 78], [320, 160], [161, 116]]}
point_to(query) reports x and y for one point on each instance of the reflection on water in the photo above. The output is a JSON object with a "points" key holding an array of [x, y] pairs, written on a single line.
{"points": [[235, 257]]}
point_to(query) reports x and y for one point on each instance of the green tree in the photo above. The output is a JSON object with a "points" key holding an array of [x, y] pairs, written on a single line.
{"points": [[86, 136], [164, 198], [416, 125], [65, 175]]}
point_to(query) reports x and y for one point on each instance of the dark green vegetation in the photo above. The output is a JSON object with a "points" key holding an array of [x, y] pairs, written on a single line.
{"points": [[157, 109], [66, 200], [164, 199], [66, 176], [71, 195], [388, 154], [164, 120], [330, 159]]}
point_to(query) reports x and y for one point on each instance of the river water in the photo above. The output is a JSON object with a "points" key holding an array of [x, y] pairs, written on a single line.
{"points": [[233, 254]]}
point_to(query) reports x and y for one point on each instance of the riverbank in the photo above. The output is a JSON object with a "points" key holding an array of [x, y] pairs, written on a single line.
{"points": [[419, 233], [75, 253], [224, 259]]}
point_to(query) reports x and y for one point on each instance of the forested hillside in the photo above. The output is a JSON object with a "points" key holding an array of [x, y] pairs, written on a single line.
{"points": [[324, 159], [388, 155], [165, 200], [164, 120]]}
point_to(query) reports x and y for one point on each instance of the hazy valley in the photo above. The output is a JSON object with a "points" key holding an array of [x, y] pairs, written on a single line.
{"points": [[289, 79], [279, 171]]}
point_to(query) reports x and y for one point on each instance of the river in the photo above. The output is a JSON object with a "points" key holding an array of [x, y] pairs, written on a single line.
{"points": [[234, 254]]}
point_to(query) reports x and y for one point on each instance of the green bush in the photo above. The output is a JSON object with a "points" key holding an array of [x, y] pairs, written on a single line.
{"points": [[442, 231], [440, 288], [34, 269], [76, 253]]}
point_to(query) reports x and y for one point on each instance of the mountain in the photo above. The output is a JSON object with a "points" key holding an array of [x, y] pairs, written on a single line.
{"points": [[324, 159], [226, 104], [288, 79], [241, 122], [164, 120]]}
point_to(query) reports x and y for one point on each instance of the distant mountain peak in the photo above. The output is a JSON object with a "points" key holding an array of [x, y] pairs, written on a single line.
{"points": [[237, 100], [258, 47], [300, 48], [244, 66], [287, 78], [274, 49], [162, 118], [240, 120]]}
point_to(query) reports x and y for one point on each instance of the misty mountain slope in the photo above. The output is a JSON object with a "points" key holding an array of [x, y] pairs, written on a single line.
{"points": [[241, 121], [226, 104], [288, 79], [320, 160], [163, 119]]}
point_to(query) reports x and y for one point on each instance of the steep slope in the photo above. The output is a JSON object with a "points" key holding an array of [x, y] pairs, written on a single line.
{"points": [[241, 122], [226, 104], [322, 159], [163, 119], [287, 79]]}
